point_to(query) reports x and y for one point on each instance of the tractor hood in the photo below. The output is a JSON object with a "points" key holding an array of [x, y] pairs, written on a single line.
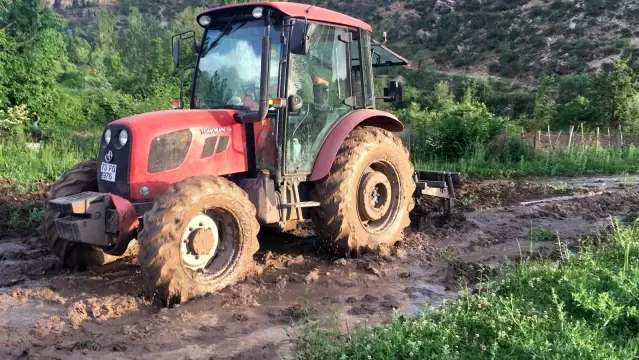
{"points": [[165, 147], [160, 121]]}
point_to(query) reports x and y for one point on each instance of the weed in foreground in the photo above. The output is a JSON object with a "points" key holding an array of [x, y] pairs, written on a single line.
{"points": [[542, 235]]}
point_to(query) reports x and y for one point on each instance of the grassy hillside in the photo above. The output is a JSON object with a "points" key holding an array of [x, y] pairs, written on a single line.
{"points": [[509, 38], [512, 39]]}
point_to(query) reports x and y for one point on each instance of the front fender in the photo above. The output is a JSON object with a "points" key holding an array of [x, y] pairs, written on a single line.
{"points": [[364, 117]]}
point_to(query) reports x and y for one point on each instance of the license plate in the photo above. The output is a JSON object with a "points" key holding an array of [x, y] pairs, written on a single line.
{"points": [[107, 172]]}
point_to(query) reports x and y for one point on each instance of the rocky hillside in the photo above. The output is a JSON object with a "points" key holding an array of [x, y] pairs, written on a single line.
{"points": [[520, 39]]}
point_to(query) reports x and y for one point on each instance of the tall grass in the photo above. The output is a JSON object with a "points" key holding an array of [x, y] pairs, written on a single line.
{"points": [[26, 167], [577, 161], [583, 306]]}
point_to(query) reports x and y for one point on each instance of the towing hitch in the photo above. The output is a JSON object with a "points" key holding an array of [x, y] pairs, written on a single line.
{"points": [[439, 184]]}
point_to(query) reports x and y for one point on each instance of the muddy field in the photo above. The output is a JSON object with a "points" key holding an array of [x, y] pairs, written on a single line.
{"points": [[50, 313]]}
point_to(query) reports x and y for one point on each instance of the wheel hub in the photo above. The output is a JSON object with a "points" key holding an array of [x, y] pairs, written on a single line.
{"points": [[374, 196], [199, 242]]}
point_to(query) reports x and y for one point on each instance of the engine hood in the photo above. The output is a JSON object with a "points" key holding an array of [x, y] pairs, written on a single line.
{"points": [[160, 121], [166, 147]]}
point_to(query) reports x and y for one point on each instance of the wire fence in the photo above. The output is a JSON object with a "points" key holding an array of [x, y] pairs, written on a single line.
{"points": [[420, 144], [577, 136]]}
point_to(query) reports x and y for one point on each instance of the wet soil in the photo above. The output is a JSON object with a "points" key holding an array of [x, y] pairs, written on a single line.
{"points": [[50, 313], [19, 211]]}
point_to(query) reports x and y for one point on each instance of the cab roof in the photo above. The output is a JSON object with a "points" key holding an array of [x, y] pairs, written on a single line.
{"points": [[311, 12]]}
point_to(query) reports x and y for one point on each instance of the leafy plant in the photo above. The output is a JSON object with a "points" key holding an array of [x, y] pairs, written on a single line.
{"points": [[13, 121], [542, 235]]}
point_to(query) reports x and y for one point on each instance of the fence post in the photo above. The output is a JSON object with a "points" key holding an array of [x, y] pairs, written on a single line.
{"points": [[620, 136], [572, 129], [598, 144], [582, 133], [557, 142], [609, 139], [538, 139], [549, 138]]}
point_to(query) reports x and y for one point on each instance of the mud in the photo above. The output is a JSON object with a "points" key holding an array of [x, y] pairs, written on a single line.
{"points": [[19, 210], [50, 313]]}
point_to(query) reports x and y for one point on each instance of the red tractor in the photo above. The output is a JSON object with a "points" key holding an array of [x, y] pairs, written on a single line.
{"points": [[282, 129]]}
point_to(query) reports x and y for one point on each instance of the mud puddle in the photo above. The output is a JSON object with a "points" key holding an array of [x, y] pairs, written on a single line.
{"points": [[49, 313]]}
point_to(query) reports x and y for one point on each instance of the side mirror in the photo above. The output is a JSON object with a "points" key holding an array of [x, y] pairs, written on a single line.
{"points": [[176, 41], [394, 92], [176, 51], [298, 44]]}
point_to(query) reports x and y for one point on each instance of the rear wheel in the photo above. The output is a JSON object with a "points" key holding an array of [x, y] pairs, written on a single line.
{"points": [[199, 238], [82, 177], [368, 194]]}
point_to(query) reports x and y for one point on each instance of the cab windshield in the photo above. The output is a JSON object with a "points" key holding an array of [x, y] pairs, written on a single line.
{"points": [[228, 74]]}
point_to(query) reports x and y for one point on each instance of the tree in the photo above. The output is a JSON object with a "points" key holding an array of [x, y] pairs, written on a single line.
{"points": [[134, 46], [544, 109], [441, 92], [105, 58], [32, 55], [617, 98]]}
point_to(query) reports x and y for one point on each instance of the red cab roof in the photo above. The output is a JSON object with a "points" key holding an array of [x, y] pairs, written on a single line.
{"points": [[310, 12]]}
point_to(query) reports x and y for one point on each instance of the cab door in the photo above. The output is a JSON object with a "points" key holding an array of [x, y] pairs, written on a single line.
{"points": [[322, 78]]}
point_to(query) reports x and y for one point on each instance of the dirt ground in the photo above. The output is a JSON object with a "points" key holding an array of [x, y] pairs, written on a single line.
{"points": [[50, 313]]}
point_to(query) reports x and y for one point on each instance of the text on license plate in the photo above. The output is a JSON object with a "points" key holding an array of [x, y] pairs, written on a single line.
{"points": [[107, 172]]}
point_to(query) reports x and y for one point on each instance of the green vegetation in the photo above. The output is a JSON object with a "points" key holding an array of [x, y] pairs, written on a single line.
{"points": [[26, 217], [578, 307], [83, 76], [86, 73], [457, 131], [542, 235], [510, 38], [577, 161], [28, 166]]}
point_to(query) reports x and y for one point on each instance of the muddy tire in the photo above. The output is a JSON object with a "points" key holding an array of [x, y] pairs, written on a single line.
{"points": [[80, 178], [172, 244], [367, 195]]}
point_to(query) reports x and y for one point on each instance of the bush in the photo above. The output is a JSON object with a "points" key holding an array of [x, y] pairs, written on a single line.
{"points": [[463, 125], [451, 130], [13, 122], [509, 148]]}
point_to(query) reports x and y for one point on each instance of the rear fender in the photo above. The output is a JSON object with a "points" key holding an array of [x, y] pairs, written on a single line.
{"points": [[365, 117]]}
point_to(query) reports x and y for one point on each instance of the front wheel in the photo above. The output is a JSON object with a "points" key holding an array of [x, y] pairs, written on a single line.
{"points": [[199, 238], [367, 196]]}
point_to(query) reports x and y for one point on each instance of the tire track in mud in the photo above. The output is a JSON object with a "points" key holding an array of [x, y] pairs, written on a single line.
{"points": [[46, 312]]}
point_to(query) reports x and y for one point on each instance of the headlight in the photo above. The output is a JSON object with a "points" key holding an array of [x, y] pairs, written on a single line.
{"points": [[107, 136], [204, 20], [258, 12], [123, 137]]}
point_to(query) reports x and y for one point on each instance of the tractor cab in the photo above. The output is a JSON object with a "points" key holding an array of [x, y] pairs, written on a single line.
{"points": [[294, 70]]}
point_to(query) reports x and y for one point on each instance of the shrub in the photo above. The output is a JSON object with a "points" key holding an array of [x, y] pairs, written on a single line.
{"points": [[14, 121], [509, 148], [451, 130]]}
